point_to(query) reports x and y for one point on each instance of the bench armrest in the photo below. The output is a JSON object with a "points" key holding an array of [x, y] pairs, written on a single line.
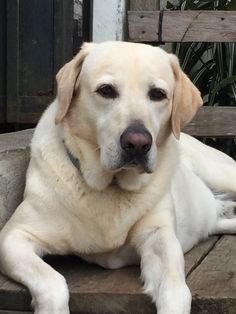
{"points": [[14, 159]]}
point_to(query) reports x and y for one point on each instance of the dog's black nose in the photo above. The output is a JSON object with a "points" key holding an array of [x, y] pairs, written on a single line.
{"points": [[136, 141]]}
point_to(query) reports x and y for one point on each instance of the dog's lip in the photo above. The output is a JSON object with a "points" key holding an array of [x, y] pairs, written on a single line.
{"points": [[127, 164], [134, 163]]}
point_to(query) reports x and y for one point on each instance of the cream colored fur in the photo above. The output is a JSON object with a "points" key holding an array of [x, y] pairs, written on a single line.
{"points": [[147, 218]]}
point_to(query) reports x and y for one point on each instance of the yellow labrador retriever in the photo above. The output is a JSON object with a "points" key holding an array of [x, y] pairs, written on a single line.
{"points": [[112, 179]]}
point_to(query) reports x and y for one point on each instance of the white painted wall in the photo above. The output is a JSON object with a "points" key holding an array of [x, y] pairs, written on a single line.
{"points": [[108, 20]]}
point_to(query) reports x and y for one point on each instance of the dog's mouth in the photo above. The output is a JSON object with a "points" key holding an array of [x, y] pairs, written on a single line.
{"points": [[140, 163]]}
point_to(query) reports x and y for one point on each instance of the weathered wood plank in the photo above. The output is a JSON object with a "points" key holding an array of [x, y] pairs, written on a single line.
{"points": [[194, 257], [13, 296], [95, 290], [183, 26], [217, 122], [213, 283]]}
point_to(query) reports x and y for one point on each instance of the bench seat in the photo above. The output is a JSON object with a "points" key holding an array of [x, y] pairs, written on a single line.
{"points": [[210, 270]]}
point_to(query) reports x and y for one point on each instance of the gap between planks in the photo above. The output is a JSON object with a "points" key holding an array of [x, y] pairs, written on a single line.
{"points": [[207, 245]]}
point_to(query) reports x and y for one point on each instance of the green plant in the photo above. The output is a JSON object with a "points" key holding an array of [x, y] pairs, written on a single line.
{"points": [[211, 66]]}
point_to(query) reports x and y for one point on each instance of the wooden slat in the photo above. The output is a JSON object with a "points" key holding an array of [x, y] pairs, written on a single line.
{"points": [[95, 290], [10, 291], [183, 26], [198, 253], [213, 283], [219, 122]]}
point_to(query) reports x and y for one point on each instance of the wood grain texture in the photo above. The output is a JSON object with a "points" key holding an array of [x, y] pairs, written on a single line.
{"points": [[213, 283], [194, 257], [217, 122], [13, 296], [183, 26]]}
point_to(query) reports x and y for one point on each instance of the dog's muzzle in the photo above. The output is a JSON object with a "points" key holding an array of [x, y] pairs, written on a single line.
{"points": [[136, 142]]}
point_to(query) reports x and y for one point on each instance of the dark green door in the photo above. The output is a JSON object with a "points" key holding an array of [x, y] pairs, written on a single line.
{"points": [[37, 37], [2, 63]]}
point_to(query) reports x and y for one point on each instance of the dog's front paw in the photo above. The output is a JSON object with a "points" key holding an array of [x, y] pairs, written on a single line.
{"points": [[175, 301], [44, 310], [52, 298]]}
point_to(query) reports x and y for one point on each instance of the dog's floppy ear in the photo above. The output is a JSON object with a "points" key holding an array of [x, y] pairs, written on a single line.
{"points": [[186, 99], [66, 80]]}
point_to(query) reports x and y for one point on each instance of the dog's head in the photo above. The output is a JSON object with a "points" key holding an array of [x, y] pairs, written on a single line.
{"points": [[126, 99]]}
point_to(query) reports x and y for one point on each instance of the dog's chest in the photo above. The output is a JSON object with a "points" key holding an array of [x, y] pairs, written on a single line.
{"points": [[103, 220]]}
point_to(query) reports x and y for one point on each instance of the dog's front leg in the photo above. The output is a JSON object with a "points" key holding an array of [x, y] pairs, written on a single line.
{"points": [[20, 260], [162, 270]]}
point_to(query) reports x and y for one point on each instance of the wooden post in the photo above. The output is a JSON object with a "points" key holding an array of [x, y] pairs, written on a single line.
{"points": [[109, 20]]}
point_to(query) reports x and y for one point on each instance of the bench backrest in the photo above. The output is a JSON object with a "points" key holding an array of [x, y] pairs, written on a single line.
{"points": [[190, 26]]}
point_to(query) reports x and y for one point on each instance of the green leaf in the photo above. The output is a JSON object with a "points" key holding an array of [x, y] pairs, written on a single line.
{"points": [[203, 71], [225, 82], [222, 84]]}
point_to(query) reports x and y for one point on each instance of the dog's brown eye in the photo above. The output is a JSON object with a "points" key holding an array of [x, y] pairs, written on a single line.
{"points": [[107, 91], [156, 94]]}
